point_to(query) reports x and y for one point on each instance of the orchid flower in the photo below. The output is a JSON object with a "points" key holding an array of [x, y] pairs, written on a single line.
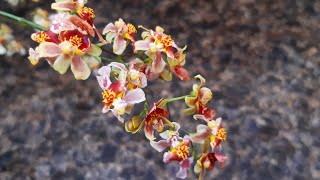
{"points": [[207, 161], [140, 66], [131, 77], [176, 63], [156, 119], [61, 22], [213, 131], [84, 20], [69, 47], [198, 99], [170, 138], [155, 43], [116, 98], [180, 153], [119, 33]]}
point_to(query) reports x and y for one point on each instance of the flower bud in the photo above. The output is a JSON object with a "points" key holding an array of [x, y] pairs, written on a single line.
{"points": [[134, 124]]}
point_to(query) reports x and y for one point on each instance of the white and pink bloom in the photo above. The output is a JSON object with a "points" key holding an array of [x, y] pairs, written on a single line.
{"points": [[118, 34], [131, 77], [84, 18], [208, 161], [61, 22], [156, 41], [116, 97], [155, 44], [156, 119], [213, 131], [170, 138], [181, 154], [68, 48], [176, 64]]}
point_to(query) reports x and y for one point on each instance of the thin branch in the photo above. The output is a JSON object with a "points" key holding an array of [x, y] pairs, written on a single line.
{"points": [[23, 21]]}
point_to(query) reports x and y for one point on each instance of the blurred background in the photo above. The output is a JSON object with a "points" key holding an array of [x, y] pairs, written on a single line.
{"points": [[260, 58]]}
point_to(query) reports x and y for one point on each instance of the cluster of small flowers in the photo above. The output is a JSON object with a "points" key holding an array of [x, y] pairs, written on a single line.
{"points": [[8, 44], [156, 56]]}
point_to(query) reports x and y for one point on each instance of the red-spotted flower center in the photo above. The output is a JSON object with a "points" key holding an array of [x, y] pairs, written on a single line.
{"points": [[41, 37], [108, 97], [222, 134], [75, 41], [166, 41], [86, 12], [181, 150], [131, 29]]}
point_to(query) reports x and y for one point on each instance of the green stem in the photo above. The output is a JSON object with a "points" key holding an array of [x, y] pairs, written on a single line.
{"points": [[107, 59], [175, 99], [113, 60], [23, 21]]}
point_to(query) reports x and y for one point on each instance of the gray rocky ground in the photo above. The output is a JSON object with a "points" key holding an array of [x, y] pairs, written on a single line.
{"points": [[260, 58]]}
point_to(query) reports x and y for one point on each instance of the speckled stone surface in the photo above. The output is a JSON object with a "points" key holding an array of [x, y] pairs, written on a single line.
{"points": [[260, 58]]}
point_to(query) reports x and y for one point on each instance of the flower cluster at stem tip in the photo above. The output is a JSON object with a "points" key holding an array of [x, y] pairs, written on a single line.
{"points": [[123, 79]]}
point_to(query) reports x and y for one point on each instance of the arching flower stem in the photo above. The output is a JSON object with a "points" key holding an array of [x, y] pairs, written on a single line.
{"points": [[23, 21]]}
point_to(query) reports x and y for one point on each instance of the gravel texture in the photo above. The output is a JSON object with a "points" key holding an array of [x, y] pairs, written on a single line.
{"points": [[260, 58]]}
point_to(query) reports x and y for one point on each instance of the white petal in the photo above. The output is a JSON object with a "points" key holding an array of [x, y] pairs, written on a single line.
{"points": [[135, 96]]}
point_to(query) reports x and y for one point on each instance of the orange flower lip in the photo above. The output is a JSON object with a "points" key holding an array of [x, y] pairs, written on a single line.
{"points": [[182, 151]]}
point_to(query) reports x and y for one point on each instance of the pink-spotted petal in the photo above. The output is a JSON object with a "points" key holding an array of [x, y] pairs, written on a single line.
{"points": [[167, 156], [118, 65], [144, 80], [48, 49], [82, 24], [181, 73], [65, 6], [62, 63], [135, 96], [170, 52], [220, 157], [80, 68], [184, 165], [104, 78], [148, 131], [141, 45], [160, 145], [119, 45], [158, 63], [203, 132], [104, 71], [109, 28]]}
